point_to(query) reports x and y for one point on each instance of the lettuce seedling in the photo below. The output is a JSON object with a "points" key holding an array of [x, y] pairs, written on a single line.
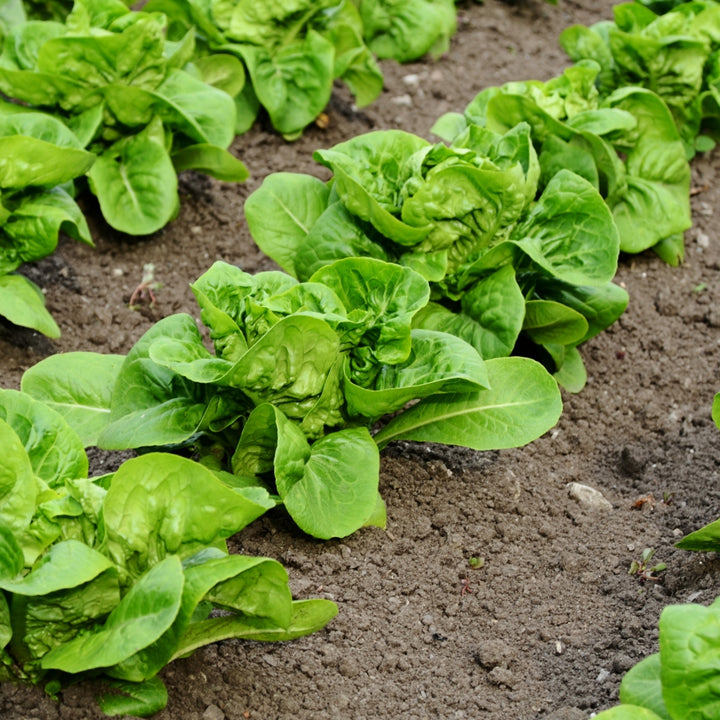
{"points": [[292, 52], [109, 74], [118, 575], [36, 204], [501, 261], [305, 384]]}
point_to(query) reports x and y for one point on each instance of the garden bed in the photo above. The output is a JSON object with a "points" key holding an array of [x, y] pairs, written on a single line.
{"points": [[546, 619]]}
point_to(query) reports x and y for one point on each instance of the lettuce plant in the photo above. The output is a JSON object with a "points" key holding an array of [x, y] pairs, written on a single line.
{"points": [[305, 383], [110, 75], [500, 262], [36, 203], [292, 51], [673, 54], [405, 30], [625, 144], [118, 575]]}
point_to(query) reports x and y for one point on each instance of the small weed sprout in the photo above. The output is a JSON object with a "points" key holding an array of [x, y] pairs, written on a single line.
{"points": [[642, 568], [145, 291]]}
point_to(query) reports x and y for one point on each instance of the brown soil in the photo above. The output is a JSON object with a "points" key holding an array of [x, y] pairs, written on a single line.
{"points": [[551, 621]]}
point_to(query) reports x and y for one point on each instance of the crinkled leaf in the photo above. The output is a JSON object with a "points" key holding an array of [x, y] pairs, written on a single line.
{"points": [[293, 83], [5, 628], [49, 620], [405, 31], [490, 316], [11, 557], [380, 299], [438, 363], [570, 233], [56, 452], [133, 56], [656, 204], [461, 202], [38, 218], [369, 171], [17, 481], [142, 616], [288, 365], [161, 504]]}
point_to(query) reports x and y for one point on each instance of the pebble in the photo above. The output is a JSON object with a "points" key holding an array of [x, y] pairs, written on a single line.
{"points": [[705, 209], [603, 675], [213, 712], [404, 100], [591, 498]]}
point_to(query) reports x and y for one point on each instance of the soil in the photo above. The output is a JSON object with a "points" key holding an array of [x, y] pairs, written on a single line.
{"points": [[550, 621]]}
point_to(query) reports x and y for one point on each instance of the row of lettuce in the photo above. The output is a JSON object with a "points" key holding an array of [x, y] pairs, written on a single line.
{"points": [[118, 102], [417, 281], [115, 576]]}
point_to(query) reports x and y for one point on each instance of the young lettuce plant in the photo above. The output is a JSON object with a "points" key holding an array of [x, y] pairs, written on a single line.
{"points": [[500, 262], [626, 145], [292, 52], [40, 160], [110, 75], [673, 54], [116, 576], [299, 378]]}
